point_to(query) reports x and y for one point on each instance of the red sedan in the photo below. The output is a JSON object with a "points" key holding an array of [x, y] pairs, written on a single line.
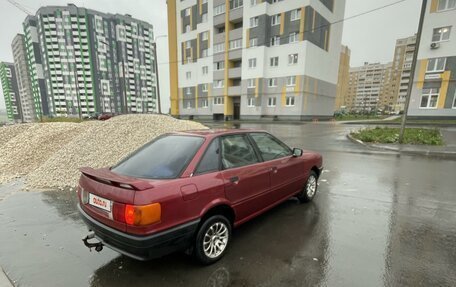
{"points": [[187, 190]]}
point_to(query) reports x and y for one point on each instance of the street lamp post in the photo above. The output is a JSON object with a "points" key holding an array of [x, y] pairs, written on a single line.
{"points": [[156, 70]]}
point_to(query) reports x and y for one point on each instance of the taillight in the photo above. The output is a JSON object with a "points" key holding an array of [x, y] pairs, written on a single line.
{"points": [[142, 214]]}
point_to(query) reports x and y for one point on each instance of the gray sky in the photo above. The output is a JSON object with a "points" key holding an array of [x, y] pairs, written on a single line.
{"points": [[370, 37]]}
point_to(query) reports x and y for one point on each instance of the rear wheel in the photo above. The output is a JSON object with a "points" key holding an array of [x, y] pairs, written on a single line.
{"points": [[310, 189], [212, 239]]}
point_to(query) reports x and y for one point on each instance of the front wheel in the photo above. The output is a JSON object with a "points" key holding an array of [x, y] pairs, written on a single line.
{"points": [[310, 189], [212, 239]]}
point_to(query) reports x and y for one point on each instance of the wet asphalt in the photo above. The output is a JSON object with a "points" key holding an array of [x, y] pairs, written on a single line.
{"points": [[379, 219]]}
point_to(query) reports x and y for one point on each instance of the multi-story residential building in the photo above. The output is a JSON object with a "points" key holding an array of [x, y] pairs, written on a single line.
{"points": [[84, 61], [400, 75], [10, 92], [250, 59], [24, 82], [343, 78], [368, 83], [434, 85], [350, 98]]}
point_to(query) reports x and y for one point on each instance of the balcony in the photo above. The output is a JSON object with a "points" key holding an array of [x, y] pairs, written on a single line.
{"points": [[234, 91], [235, 34], [235, 72]]}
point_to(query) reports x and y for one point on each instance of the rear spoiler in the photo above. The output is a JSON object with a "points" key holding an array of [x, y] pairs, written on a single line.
{"points": [[106, 176]]}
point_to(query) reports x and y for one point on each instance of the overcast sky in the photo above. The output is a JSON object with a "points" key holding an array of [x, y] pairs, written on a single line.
{"points": [[370, 37]]}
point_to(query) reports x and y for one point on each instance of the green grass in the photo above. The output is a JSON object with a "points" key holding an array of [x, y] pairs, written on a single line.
{"points": [[60, 119], [425, 121], [351, 117], [417, 136]]}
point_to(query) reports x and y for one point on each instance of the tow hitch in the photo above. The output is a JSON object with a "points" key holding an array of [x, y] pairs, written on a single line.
{"points": [[97, 245]]}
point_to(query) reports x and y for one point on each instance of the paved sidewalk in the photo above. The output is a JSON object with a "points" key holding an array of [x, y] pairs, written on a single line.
{"points": [[448, 150], [4, 281]]}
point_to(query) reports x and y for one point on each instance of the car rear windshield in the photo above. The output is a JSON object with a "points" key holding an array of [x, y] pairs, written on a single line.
{"points": [[163, 158]]}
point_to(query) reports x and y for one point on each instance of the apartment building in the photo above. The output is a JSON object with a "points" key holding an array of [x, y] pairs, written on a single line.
{"points": [[254, 59], [10, 92], [343, 78], [24, 82], [367, 84], [84, 61], [434, 85]]}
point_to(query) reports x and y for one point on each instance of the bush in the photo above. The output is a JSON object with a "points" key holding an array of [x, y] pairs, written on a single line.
{"points": [[391, 135]]}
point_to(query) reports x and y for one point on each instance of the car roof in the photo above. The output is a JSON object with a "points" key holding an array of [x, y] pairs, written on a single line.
{"points": [[216, 132]]}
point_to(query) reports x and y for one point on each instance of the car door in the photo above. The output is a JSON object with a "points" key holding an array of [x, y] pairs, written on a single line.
{"points": [[245, 176], [287, 173]]}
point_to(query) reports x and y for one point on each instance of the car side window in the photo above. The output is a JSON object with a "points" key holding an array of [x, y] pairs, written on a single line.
{"points": [[270, 147], [237, 151], [211, 158]]}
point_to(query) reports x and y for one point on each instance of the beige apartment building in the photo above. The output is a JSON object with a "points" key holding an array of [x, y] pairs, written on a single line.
{"points": [[343, 78]]}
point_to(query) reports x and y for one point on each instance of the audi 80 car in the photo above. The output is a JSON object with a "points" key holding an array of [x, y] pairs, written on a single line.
{"points": [[187, 190]]}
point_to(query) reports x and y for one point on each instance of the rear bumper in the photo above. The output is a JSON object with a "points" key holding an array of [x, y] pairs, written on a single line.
{"points": [[143, 247]]}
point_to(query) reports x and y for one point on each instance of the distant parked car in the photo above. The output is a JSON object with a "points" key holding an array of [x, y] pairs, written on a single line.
{"points": [[105, 116], [187, 190]]}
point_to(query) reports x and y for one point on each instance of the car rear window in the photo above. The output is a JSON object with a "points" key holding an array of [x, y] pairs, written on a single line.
{"points": [[163, 158]]}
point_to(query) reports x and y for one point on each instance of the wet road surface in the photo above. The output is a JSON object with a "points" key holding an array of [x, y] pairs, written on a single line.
{"points": [[379, 219]]}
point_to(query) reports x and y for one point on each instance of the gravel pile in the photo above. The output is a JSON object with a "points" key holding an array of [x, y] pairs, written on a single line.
{"points": [[64, 147]]}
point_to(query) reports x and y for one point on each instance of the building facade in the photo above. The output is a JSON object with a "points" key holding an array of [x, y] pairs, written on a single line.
{"points": [[84, 61], [24, 82], [253, 59], [343, 78], [367, 85], [434, 87], [10, 92]]}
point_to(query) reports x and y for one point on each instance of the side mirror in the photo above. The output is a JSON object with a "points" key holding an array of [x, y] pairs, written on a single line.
{"points": [[297, 152]]}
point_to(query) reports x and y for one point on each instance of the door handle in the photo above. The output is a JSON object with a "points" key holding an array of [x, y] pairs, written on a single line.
{"points": [[274, 169], [234, 179]]}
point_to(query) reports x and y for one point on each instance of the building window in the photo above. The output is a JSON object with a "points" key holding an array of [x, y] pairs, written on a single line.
{"points": [[205, 70], [253, 22], [275, 41], [236, 4], [292, 59], [274, 61], [291, 81], [293, 37], [218, 84], [441, 34], [446, 5], [272, 82], [205, 36], [253, 2], [252, 63], [188, 75], [436, 65], [220, 9], [235, 44], [188, 91], [189, 105], [204, 88], [218, 101], [271, 102], [429, 98], [275, 20], [205, 103], [219, 65], [218, 48], [204, 53], [295, 14], [290, 101], [251, 83], [187, 12], [251, 102], [204, 18], [187, 28], [253, 42]]}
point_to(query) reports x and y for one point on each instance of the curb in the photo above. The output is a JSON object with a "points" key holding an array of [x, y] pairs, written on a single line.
{"points": [[441, 154], [4, 280]]}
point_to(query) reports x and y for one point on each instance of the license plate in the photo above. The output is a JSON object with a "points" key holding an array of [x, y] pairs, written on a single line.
{"points": [[99, 202]]}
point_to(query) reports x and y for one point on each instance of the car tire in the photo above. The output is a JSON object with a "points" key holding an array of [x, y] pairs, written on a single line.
{"points": [[212, 239], [310, 188]]}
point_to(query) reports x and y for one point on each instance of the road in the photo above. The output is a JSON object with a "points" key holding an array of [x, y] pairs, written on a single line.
{"points": [[379, 219]]}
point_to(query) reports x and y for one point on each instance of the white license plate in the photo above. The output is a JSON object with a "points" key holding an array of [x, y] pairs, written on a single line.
{"points": [[99, 202]]}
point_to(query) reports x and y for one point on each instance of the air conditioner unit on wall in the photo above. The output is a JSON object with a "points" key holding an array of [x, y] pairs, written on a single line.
{"points": [[435, 45]]}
